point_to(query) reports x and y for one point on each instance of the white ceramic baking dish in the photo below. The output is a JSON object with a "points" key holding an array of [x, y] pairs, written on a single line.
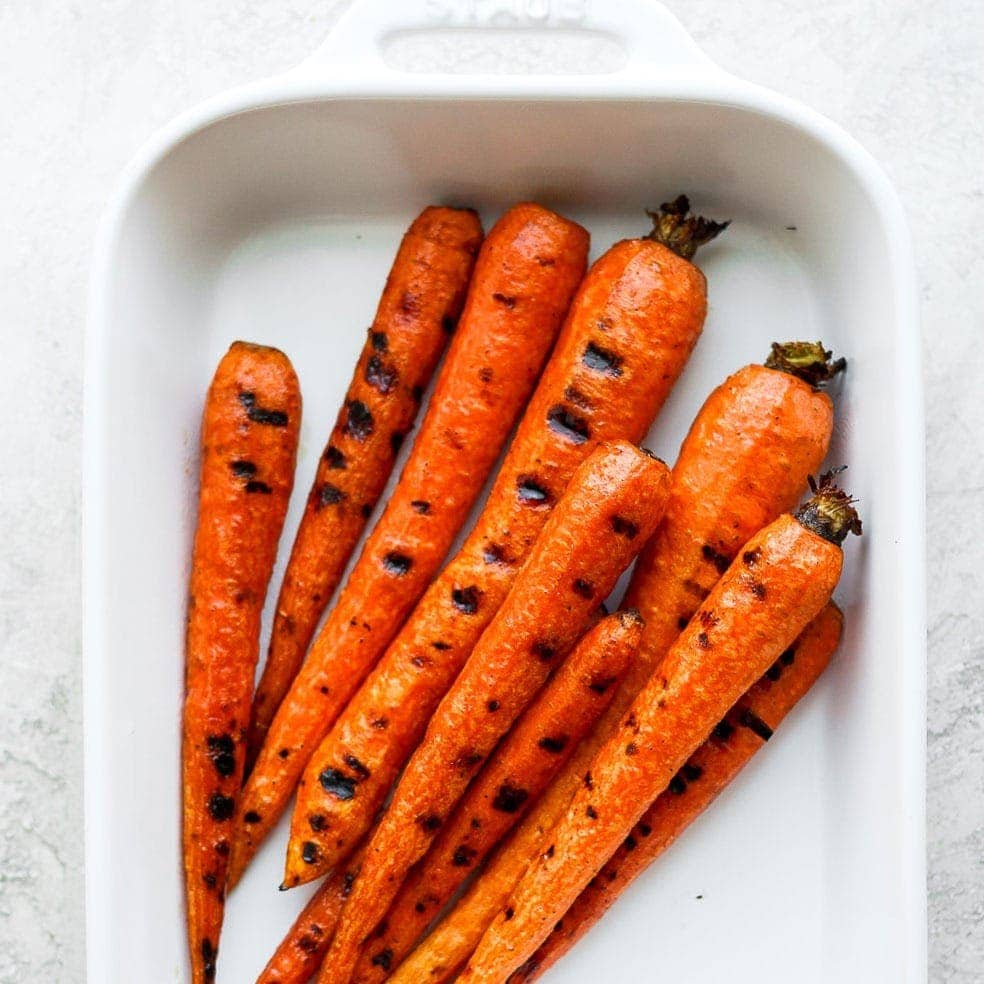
{"points": [[271, 213]]}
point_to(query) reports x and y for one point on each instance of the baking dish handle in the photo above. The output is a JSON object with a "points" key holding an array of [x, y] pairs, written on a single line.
{"points": [[654, 43]]}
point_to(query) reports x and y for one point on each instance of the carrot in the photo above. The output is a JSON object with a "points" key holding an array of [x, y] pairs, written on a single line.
{"points": [[299, 955], [629, 333], [783, 578], [611, 506], [769, 422], [740, 734], [525, 276], [249, 445], [539, 744], [421, 302]]}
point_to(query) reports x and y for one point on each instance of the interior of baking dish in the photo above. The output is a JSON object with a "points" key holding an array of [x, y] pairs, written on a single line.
{"points": [[277, 225]]}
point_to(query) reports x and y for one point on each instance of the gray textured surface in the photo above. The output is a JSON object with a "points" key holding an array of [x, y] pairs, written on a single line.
{"points": [[85, 81]]}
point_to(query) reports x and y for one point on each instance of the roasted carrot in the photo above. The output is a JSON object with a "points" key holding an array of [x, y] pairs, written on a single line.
{"points": [[539, 744], [738, 736], [770, 422], [299, 955], [611, 506], [419, 307], [525, 276], [248, 450], [783, 578], [629, 333]]}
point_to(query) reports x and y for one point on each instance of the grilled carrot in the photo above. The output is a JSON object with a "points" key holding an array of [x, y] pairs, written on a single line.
{"points": [[783, 578], [249, 446], [629, 333], [575, 562], [525, 276], [299, 955], [420, 305], [738, 736], [783, 427], [539, 744]]}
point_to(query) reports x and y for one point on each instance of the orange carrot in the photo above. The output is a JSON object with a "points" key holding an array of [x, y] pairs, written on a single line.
{"points": [[783, 578], [745, 730], [584, 546], [525, 276], [249, 446], [539, 744], [767, 421], [299, 955], [421, 302], [630, 331]]}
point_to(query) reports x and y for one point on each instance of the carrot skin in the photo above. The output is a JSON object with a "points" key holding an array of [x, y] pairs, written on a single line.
{"points": [[708, 771], [540, 742], [424, 294], [785, 426], [299, 955], [630, 330], [249, 445], [784, 577], [526, 273], [574, 564]]}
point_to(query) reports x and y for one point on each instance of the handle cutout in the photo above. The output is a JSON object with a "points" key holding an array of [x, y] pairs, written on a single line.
{"points": [[503, 51]]}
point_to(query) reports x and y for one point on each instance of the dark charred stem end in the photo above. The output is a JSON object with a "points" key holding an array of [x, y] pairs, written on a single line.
{"points": [[808, 361], [830, 512], [684, 234]]}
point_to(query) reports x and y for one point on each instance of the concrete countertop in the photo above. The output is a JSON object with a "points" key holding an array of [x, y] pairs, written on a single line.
{"points": [[85, 81]]}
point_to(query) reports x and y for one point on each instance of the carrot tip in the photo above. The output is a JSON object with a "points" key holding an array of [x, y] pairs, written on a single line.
{"points": [[808, 361], [830, 512], [682, 234]]}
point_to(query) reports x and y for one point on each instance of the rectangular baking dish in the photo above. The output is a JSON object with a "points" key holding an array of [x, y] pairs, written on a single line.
{"points": [[272, 212]]}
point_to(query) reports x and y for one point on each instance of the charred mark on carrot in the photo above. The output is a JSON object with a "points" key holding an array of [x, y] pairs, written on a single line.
{"points": [[317, 822], [358, 420], [601, 685], [329, 495], [543, 651], [494, 554], [467, 599], [335, 458], [421, 506], [570, 425], [356, 766], [531, 491], [380, 341], [220, 807], [431, 822], [381, 376], [583, 588], [261, 415], [222, 752], [554, 745], [463, 856], [506, 300], [260, 488], [509, 798], [251, 816], [336, 783], [397, 563], [383, 959], [242, 469], [441, 646], [624, 527], [310, 853], [719, 560], [602, 360], [755, 724]]}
